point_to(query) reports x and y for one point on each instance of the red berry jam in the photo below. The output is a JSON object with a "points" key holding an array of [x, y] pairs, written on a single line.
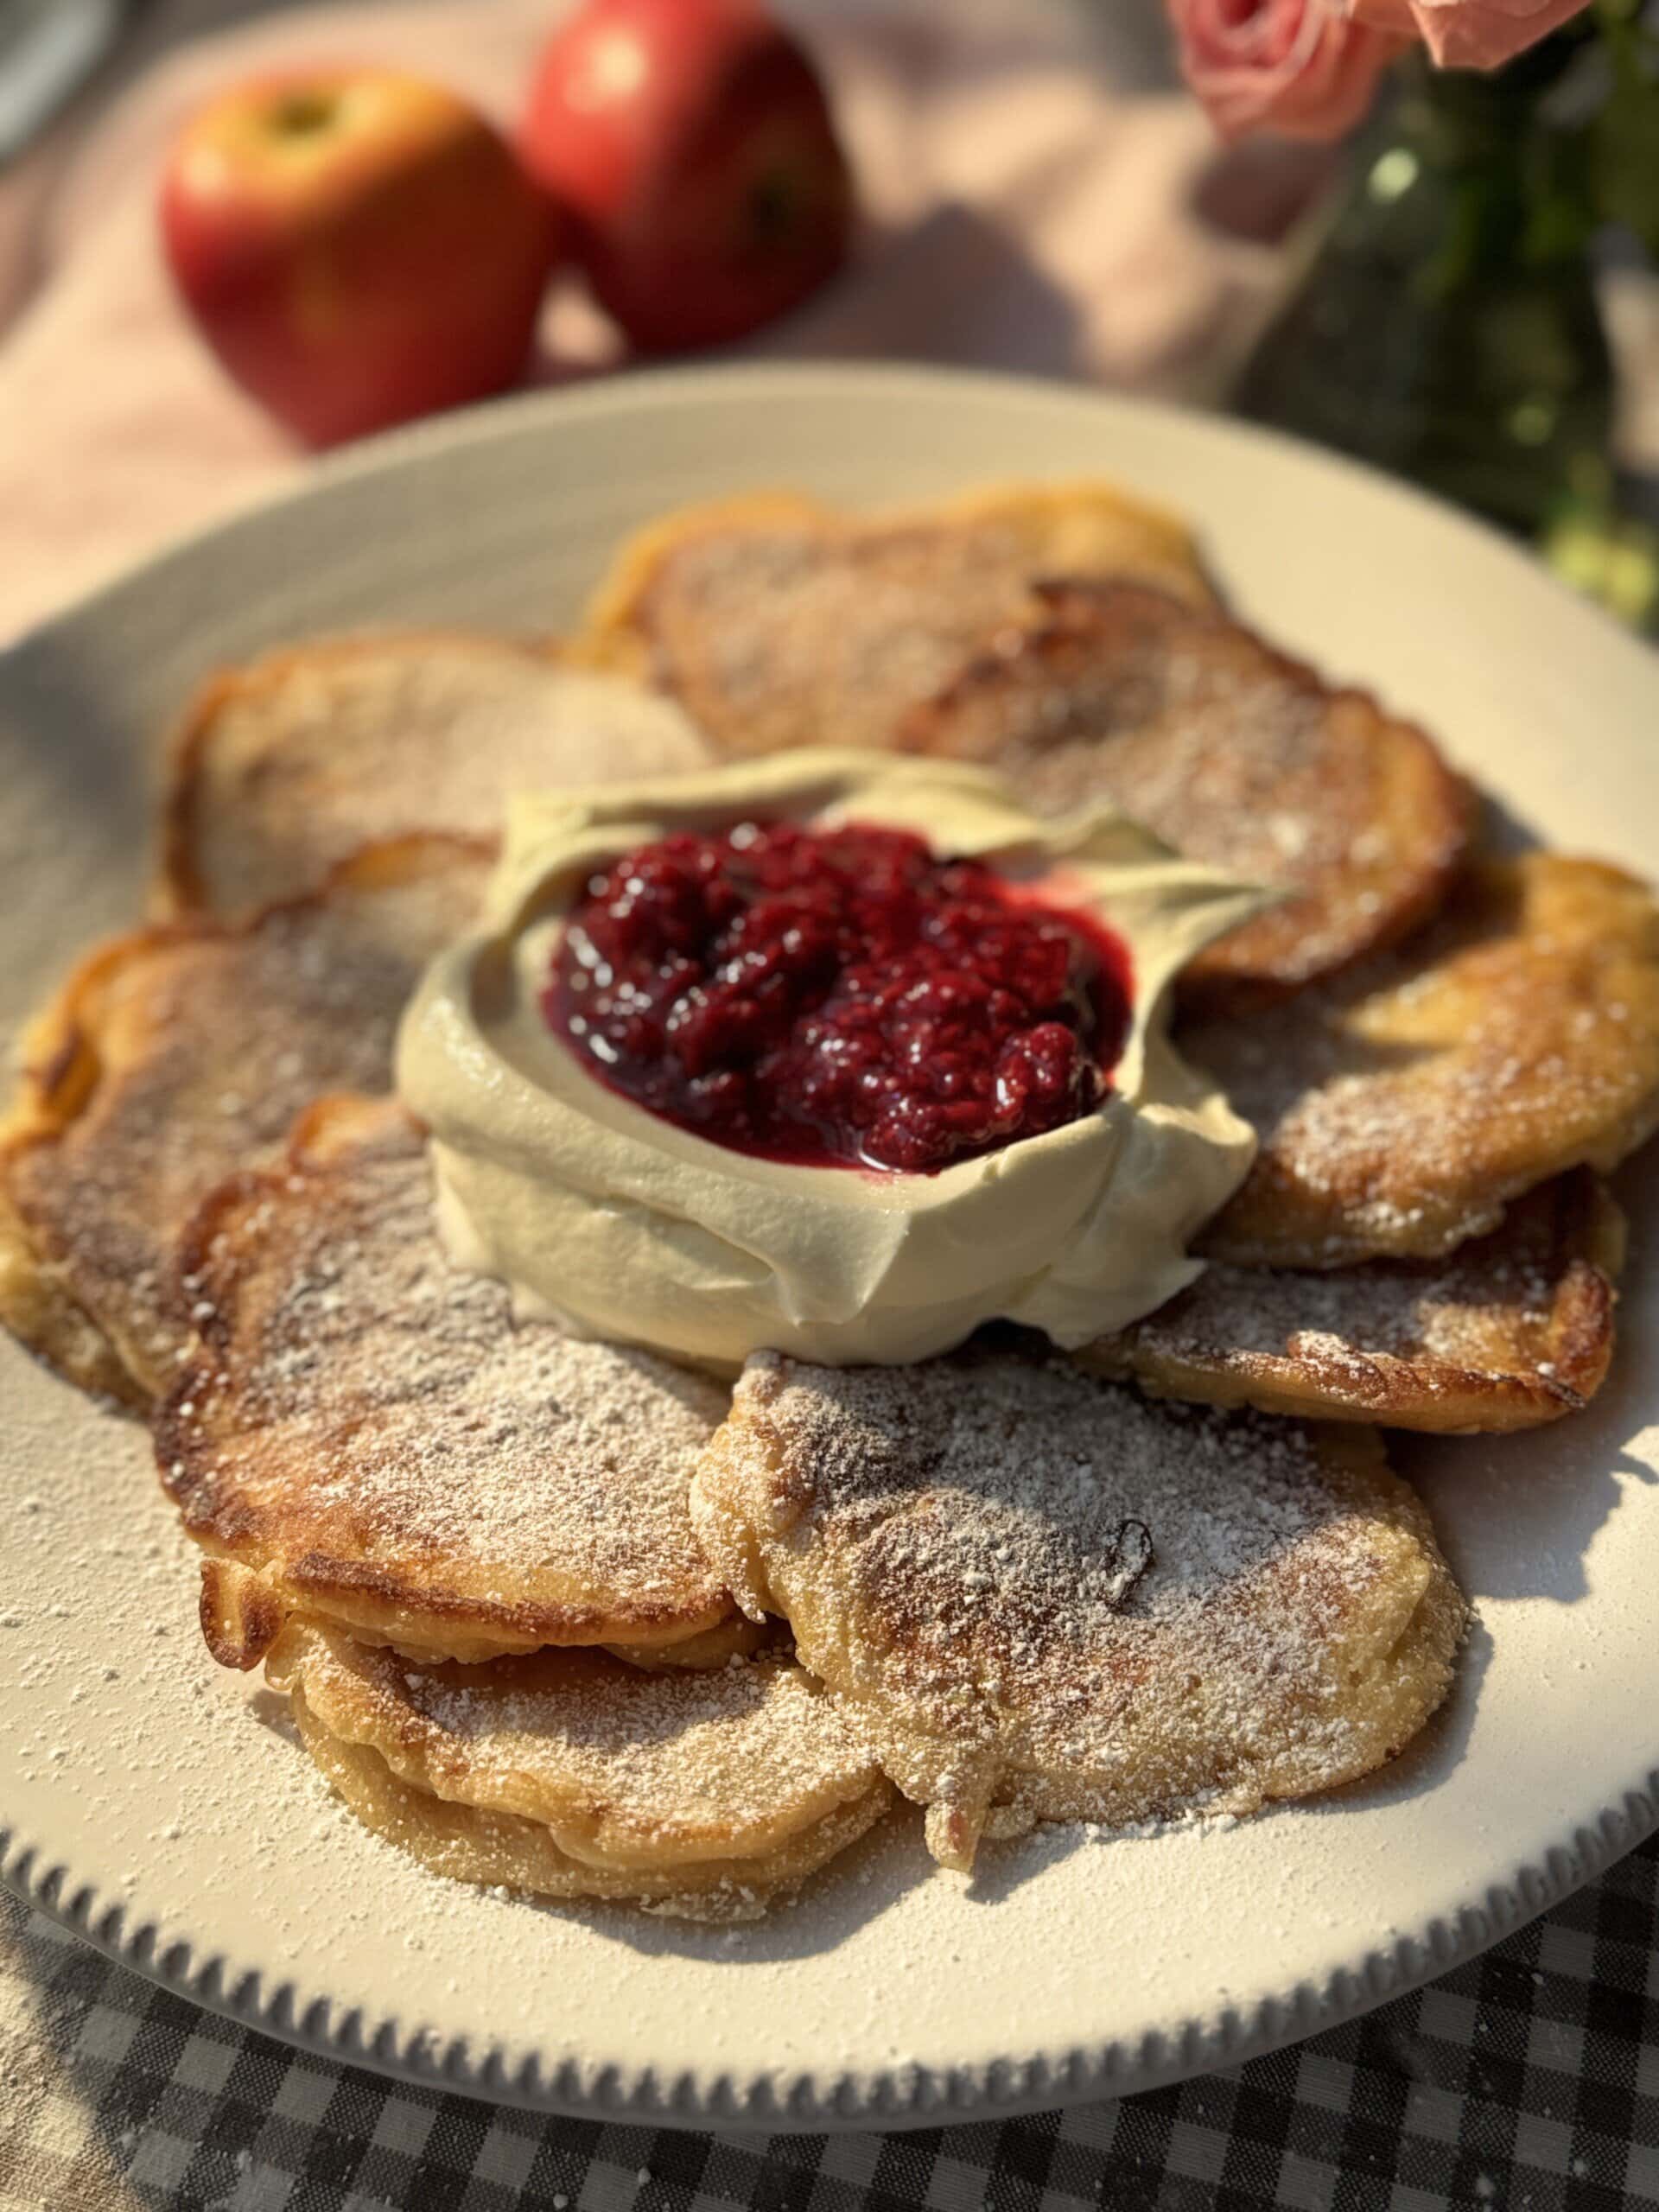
{"points": [[837, 997]]}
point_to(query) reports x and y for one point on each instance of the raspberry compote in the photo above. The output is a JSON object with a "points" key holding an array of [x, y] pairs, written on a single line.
{"points": [[837, 997]]}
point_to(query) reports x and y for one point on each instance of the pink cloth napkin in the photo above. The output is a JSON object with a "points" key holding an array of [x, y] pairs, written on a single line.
{"points": [[1022, 211]]}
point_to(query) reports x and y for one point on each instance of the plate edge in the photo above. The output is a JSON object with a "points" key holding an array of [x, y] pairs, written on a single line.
{"points": [[484, 423], [906, 2097], [896, 2099]]}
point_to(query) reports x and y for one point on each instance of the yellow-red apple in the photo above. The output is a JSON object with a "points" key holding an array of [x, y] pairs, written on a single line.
{"points": [[357, 247], [692, 144]]}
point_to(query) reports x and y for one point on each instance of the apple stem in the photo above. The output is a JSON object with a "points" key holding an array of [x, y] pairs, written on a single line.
{"points": [[299, 114], [774, 204]]}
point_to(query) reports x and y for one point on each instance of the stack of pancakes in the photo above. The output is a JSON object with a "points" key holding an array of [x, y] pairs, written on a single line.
{"points": [[566, 1617]]}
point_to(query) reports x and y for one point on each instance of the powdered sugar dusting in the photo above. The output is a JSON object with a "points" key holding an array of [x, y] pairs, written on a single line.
{"points": [[310, 755], [1228, 750], [1024, 1476], [209, 1042], [1523, 1316], [360, 1405], [779, 633], [950, 1542], [1401, 1107], [662, 1760]]}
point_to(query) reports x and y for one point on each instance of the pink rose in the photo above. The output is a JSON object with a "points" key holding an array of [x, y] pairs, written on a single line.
{"points": [[1469, 34], [1302, 67]]}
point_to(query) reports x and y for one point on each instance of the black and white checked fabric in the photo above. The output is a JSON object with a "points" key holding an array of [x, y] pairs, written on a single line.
{"points": [[1528, 2081]]}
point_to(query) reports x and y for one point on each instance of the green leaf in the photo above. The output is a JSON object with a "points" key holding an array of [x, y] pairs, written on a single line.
{"points": [[1609, 558], [1562, 196], [1625, 134]]}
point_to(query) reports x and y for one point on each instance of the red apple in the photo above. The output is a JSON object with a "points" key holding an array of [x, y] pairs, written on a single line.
{"points": [[357, 247], [692, 143]]}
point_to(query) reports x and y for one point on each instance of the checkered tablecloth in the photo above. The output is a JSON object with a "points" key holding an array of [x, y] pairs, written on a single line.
{"points": [[1530, 2079]]}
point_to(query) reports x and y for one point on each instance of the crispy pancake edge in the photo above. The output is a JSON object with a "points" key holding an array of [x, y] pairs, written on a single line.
{"points": [[62, 1065], [60, 1069], [177, 889], [367, 1695], [1411, 1674], [249, 1593], [608, 635], [1293, 1182], [502, 1850], [1424, 1392], [1231, 973]]}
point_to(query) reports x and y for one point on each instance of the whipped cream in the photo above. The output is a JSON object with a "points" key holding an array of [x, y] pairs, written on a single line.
{"points": [[620, 1224]]}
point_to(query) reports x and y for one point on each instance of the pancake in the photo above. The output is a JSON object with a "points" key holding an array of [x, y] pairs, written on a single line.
{"points": [[1045, 1597], [178, 1054], [778, 622], [570, 1775], [1230, 753], [362, 1433], [1509, 1330], [1400, 1109], [282, 768]]}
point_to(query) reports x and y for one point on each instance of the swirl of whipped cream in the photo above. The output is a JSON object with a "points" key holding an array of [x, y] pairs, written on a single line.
{"points": [[620, 1224]]}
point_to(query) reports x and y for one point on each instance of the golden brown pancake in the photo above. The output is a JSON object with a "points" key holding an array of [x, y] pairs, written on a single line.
{"points": [[570, 1775], [778, 622], [1043, 1594], [361, 1431], [282, 768], [178, 1054], [1508, 1330], [1230, 753], [1403, 1106]]}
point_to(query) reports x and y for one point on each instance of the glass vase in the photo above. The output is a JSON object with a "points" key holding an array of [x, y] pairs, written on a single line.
{"points": [[1446, 327]]}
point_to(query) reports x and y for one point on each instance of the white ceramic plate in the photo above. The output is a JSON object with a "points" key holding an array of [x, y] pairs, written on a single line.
{"points": [[159, 1806]]}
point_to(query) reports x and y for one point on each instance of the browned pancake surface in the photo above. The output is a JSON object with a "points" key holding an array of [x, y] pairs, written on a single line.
{"points": [[569, 1774], [179, 1054], [1508, 1330], [363, 1431], [1233, 755], [1401, 1107], [1046, 1595], [778, 623], [282, 767]]}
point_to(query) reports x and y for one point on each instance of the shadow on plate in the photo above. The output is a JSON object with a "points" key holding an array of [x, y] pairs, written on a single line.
{"points": [[1518, 1514]]}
